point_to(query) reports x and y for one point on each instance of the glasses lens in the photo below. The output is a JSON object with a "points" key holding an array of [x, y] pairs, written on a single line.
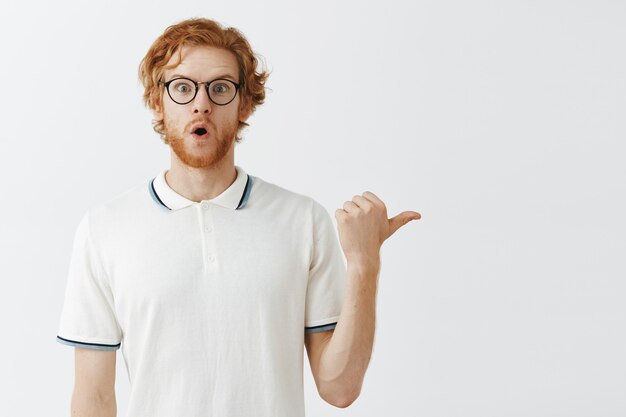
{"points": [[222, 91], [182, 90]]}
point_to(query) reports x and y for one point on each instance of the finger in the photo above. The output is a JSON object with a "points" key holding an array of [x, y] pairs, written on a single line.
{"points": [[401, 219], [361, 201], [372, 197], [339, 213], [350, 207]]}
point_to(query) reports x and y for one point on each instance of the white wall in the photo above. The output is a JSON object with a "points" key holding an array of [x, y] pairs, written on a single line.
{"points": [[502, 123]]}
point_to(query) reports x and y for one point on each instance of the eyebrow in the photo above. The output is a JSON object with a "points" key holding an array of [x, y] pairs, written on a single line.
{"points": [[228, 76]]}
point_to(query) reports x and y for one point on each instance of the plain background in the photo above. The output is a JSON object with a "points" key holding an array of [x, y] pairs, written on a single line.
{"points": [[502, 123]]}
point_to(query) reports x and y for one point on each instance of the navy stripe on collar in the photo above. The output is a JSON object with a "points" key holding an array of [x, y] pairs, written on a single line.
{"points": [[242, 202], [154, 194], [246, 193]]}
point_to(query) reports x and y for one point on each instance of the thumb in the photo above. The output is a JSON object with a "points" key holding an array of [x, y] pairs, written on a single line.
{"points": [[401, 219]]}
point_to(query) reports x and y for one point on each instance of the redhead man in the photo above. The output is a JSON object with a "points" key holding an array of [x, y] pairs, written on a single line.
{"points": [[209, 279]]}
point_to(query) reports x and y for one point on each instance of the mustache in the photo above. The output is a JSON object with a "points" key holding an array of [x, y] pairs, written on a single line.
{"points": [[197, 122]]}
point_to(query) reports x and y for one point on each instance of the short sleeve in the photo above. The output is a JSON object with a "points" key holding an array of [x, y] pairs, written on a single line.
{"points": [[327, 275], [88, 317]]}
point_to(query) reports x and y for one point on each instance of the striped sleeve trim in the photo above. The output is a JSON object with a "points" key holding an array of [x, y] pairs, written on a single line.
{"points": [[98, 346], [321, 328]]}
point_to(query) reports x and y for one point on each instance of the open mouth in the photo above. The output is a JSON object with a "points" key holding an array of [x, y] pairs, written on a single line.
{"points": [[200, 133]]}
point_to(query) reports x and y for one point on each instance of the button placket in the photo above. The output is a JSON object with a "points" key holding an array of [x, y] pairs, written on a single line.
{"points": [[206, 219]]}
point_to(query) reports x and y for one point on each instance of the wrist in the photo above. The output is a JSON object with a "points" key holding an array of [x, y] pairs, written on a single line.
{"points": [[364, 261]]}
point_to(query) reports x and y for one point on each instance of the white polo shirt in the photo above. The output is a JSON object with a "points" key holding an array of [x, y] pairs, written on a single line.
{"points": [[209, 301]]}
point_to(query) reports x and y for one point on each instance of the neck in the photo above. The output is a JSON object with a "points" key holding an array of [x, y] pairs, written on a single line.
{"points": [[198, 184]]}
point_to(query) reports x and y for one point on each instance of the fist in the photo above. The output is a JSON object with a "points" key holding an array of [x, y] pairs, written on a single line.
{"points": [[363, 226]]}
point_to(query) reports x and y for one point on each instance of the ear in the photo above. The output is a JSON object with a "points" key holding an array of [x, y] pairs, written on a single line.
{"points": [[157, 111], [244, 113]]}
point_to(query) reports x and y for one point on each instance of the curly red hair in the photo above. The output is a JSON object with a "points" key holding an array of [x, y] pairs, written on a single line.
{"points": [[201, 32]]}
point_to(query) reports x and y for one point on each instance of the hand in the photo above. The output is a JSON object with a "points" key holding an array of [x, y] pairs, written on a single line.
{"points": [[363, 226]]}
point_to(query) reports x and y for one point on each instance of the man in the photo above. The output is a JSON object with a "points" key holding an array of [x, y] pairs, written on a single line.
{"points": [[212, 280]]}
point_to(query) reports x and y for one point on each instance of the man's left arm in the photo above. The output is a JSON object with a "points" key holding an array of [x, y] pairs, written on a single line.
{"points": [[339, 361]]}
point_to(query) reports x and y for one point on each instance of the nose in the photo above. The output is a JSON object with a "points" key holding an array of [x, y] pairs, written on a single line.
{"points": [[202, 103]]}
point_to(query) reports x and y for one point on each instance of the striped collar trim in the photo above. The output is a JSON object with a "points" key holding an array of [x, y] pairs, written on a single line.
{"points": [[234, 197]]}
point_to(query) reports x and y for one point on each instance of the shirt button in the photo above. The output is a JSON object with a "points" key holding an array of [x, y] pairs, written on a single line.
{"points": [[211, 258], [205, 205], [208, 228]]}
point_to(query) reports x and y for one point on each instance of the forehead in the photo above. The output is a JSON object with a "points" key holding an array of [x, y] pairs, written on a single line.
{"points": [[204, 62]]}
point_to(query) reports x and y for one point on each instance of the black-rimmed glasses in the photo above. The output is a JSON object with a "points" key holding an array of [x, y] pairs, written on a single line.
{"points": [[183, 90]]}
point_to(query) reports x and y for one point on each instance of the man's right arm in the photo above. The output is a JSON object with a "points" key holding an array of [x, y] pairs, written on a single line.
{"points": [[94, 385]]}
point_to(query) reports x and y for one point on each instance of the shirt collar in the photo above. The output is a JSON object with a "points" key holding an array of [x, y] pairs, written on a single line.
{"points": [[234, 197]]}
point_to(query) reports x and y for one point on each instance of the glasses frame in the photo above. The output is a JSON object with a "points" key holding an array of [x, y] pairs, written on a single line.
{"points": [[197, 83]]}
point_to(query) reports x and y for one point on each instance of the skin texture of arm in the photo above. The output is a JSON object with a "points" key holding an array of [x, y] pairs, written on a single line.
{"points": [[315, 343], [339, 359], [94, 384]]}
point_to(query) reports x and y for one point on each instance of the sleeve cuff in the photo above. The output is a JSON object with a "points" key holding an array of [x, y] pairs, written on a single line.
{"points": [[321, 328], [85, 345]]}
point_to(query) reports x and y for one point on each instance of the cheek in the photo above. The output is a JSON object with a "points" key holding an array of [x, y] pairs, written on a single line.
{"points": [[171, 118]]}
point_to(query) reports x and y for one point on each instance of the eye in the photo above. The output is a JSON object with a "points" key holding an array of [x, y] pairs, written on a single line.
{"points": [[221, 88], [183, 86]]}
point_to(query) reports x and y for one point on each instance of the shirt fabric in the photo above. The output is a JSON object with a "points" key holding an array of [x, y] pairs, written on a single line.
{"points": [[209, 301]]}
